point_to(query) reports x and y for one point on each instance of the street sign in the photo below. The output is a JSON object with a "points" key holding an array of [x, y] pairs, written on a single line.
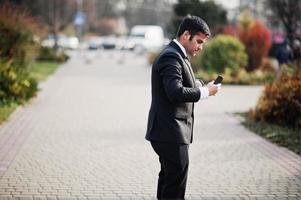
{"points": [[79, 18]]}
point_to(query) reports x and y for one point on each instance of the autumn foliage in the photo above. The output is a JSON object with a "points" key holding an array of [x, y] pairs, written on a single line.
{"points": [[280, 102], [17, 31], [257, 40], [17, 49]]}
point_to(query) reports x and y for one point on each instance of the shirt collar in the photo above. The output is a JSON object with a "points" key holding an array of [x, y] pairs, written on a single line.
{"points": [[181, 47]]}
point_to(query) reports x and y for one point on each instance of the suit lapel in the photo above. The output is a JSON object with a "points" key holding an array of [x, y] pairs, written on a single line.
{"points": [[186, 61], [190, 70]]}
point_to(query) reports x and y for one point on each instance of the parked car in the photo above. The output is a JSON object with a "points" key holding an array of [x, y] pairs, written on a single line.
{"points": [[71, 43], [63, 42], [109, 42], [145, 38], [95, 43]]}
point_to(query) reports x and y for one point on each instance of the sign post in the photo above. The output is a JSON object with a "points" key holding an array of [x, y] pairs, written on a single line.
{"points": [[79, 22]]}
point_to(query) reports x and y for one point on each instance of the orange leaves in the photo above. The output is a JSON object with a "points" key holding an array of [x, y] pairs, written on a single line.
{"points": [[257, 40], [280, 102]]}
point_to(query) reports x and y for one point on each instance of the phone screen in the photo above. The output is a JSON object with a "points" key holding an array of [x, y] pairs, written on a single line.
{"points": [[218, 80]]}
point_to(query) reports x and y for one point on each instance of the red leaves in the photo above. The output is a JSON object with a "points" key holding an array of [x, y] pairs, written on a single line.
{"points": [[257, 40]]}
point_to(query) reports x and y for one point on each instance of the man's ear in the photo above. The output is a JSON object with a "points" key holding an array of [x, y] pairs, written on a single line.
{"points": [[186, 35]]}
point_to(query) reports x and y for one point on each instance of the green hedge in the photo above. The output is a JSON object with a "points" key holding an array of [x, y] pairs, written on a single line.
{"points": [[221, 53]]}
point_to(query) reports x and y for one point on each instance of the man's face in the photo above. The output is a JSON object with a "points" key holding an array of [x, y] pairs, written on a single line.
{"points": [[195, 45]]}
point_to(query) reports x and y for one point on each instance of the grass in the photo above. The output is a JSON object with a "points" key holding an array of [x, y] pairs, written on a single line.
{"points": [[42, 69], [39, 70], [6, 110], [283, 136]]}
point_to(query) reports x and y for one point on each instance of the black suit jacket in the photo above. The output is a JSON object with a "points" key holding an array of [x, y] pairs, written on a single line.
{"points": [[173, 95]]}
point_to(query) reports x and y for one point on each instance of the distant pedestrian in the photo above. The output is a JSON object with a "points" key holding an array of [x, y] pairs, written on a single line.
{"points": [[171, 117], [284, 53]]}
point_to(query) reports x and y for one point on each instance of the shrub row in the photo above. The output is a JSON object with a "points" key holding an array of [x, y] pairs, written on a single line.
{"points": [[48, 54], [17, 49]]}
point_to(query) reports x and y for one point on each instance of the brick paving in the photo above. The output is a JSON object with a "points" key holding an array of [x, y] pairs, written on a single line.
{"points": [[82, 137]]}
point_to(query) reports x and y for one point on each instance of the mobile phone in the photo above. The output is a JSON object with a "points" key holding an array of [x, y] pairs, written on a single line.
{"points": [[218, 79]]}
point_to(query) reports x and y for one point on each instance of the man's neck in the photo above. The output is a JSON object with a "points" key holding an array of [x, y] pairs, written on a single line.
{"points": [[181, 46]]}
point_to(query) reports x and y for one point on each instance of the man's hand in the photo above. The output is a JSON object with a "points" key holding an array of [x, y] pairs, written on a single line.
{"points": [[213, 89], [209, 90]]}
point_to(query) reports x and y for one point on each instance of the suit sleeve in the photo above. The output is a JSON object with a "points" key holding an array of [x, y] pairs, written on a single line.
{"points": [[171, 73]]}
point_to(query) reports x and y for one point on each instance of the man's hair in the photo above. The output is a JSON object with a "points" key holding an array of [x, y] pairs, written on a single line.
{"points": [[193, 24]]}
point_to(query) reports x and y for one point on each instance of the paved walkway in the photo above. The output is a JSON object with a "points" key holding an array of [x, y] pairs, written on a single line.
{"points": [[83, 138]]}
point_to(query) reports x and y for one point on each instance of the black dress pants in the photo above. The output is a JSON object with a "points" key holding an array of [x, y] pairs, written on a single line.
{"points": [[174, 162]]}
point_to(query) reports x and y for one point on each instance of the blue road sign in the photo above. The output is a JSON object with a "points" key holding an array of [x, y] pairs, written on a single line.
{"points": [[79, 18]]}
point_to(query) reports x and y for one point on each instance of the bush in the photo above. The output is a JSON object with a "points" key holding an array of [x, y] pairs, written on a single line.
{"points": [[257, 40], [15, 86], [242, 77], [222, 52], [17, 41], [49, 54], [239, 77], [17, 49], [280, 102]]}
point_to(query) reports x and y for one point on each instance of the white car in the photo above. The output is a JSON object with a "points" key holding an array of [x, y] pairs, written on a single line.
{"points": [[71, 43], [63, 42], [109, 42], [145, 38], [95, 43]]}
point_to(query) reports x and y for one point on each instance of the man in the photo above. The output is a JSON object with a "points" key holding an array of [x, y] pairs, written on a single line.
{"points": [[171, 118]]}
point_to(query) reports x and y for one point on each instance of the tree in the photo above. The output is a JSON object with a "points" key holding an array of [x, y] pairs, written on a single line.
{"points": [[289, 12], [56, 14], [257, 39], [212, 13]]}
